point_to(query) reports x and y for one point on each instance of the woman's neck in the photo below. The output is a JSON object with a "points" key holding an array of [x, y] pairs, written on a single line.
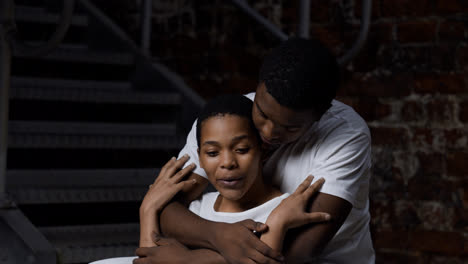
{"points": [[258, 194]]}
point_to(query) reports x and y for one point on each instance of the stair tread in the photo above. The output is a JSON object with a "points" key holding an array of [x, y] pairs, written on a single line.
{"points": [[93, 129], [87, 91], [81, 53], [41, 15], [78, 178], [83, 244]]}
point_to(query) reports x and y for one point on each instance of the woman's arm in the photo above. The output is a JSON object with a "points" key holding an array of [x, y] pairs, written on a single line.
{"points": [[167, 184], [291, 213]]}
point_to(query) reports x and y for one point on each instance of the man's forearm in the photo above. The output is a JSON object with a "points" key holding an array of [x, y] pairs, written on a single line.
{"points": [[207, 256], [194, 231], [304, 244]]}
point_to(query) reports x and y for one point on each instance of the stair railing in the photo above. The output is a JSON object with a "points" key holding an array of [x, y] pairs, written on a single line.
{"points": [[304, 21]]}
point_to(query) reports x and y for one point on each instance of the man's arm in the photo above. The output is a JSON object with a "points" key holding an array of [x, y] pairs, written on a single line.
{"points": [[235, 242], [303, 244]]}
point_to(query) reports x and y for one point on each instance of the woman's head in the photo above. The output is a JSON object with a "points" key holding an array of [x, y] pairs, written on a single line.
{"points": [[229, 145]]}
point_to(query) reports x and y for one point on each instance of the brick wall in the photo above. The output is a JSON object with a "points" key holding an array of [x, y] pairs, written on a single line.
{"points": [[409, 83]]}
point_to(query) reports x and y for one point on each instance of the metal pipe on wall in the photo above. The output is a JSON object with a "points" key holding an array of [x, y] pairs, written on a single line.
{"points": [[304, 19], [244, 6], [146, 14], [6, 16], [361, 39]]}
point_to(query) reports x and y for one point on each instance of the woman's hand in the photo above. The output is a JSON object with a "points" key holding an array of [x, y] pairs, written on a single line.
{"points": [[291, 212], [167, 184]]}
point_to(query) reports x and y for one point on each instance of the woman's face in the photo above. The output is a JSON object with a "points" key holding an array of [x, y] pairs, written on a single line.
{"points": [[230, 155]]}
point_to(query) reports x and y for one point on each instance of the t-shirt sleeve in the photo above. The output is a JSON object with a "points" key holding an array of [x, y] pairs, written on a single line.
{"points": [[190, 148], [195, 207], [345, 164]]}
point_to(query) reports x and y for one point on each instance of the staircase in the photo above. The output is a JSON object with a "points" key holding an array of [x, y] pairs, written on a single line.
{"points": [[90, 125]]}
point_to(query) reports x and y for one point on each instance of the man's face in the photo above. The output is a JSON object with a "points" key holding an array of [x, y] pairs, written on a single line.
{"points": [[278, 124]]}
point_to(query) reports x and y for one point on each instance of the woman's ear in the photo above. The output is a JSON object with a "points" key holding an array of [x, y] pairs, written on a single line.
{"points": [[198, 151]]}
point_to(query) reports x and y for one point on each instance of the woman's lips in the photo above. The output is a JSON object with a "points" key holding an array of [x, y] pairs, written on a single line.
{"points": [[230, 182]]}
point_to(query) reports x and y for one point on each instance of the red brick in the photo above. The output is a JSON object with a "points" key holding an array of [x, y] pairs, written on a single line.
{"points": [[462, 58], [423, 137], [412, 111], [437, 242], [442, 57], [396, 85], [375, 9], [320, 10], [416, 31], [463, 108], [329, 35], [395, 239], [431, 164], [451, 6], [452, 31], [441, 111], [392, 136], [428, 187], [457, 163], [456, 139], [399, 8], [381, 32], [440, 83], [369, 108], [398, 257]]}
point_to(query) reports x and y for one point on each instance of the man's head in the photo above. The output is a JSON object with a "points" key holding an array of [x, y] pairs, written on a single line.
{"points": [[298, 81]]}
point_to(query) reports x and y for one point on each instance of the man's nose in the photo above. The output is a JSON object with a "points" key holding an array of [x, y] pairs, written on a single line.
{"points": [[269, 131]]}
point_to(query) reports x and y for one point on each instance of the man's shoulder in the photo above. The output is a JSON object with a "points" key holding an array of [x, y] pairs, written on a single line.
{"points": [[343, 118]]}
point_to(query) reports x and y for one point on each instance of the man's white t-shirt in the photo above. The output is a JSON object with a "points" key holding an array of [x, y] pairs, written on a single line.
{"points": [[204, 208], [337, 148]]}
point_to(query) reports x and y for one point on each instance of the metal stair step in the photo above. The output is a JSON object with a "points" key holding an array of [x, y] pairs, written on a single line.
{"points": [[39, 134], [83, 244], [78, 186], [41, 15], [82, 54], [87, 91]]}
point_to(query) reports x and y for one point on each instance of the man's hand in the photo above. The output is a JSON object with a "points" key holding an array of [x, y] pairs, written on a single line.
{"points": [[166, 251], [238, 244]]}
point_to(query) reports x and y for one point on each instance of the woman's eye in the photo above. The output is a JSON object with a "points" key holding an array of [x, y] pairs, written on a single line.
{"points": [[212, 153], [242, 150]]}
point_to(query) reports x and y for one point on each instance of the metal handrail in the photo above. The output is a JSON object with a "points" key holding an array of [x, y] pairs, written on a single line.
{"points": [[179, 84], [363, 31], [21, 48], [303, 26]]}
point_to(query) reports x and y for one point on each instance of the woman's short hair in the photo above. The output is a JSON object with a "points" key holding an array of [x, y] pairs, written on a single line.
{"points": [[228, 104]]}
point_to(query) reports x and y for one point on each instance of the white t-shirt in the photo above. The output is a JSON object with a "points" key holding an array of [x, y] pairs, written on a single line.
{"points": [[204, 208], [337, 148]]}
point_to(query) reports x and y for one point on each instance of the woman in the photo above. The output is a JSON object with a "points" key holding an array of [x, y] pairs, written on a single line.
{"points": [[230, 153]]}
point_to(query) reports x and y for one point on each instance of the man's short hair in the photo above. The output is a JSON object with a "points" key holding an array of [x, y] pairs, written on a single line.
{"points": [[301, 74], [228, 104]]}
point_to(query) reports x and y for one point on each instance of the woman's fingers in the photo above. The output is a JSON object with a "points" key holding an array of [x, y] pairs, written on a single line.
{"points": [[167, 165], [182, 173], [171, 170], [304, 185], [316, 217], [314, 188]]}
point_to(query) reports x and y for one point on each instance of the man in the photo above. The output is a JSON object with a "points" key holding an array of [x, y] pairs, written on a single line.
{"points": [[305, 132]]}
